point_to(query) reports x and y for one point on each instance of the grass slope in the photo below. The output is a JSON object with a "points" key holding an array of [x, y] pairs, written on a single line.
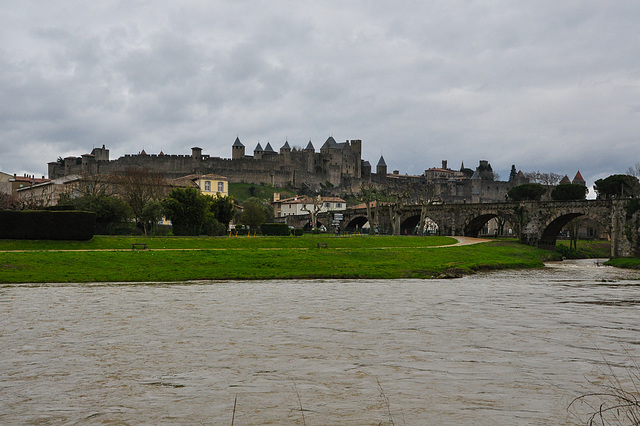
{"points": [[624, 262], [242, 191], [261, 258]]}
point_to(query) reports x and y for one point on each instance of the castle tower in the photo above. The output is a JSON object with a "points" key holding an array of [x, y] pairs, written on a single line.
{"points": [[578, 179], [196, 153], [356, 146], [237, 150], [258, 151], [285, 154], [285, 148], [101, 154], [269, 149], [381, 168]]}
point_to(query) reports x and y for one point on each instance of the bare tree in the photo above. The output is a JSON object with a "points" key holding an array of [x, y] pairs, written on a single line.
{"points": [[574, 227], [634, 171], [426, 197], [94, 184], [547, 178], [369, 196], [138, 186], [500, 222], [395, 198], [315, 209], [8, 201]]}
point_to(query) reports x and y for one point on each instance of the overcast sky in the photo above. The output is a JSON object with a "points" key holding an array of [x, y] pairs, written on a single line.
{"points": [[550, 86]]}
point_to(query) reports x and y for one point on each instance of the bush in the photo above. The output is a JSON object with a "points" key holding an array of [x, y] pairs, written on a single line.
{"points": [[569, 191], [213, 227], [280, 229], [297, 232], [47, 225], [113, 214], [527, 192]]}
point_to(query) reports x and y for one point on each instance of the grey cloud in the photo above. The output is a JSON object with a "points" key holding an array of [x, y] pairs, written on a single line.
{"points": [[544, 85]]}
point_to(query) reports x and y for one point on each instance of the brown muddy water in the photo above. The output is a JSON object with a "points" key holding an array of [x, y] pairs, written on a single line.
{"points": [[502, 348]]}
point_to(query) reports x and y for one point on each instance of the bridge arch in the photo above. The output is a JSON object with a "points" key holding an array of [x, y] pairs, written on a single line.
{"points": [[474, 224], [356, 222], [557, 222], [409, 224]]}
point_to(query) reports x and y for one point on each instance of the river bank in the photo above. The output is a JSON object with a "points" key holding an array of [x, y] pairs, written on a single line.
{"points": [[111, 259]]}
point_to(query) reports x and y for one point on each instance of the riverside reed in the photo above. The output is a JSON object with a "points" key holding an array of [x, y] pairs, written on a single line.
{"points": [[110, 259]]}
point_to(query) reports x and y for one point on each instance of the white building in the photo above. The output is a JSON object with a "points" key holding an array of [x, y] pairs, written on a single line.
{"points": [[302, 205]]}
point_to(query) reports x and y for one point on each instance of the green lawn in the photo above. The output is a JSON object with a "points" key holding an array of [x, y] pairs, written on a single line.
{"points": [[587, 249], [101, 242], [255, 258], [624, 262]]}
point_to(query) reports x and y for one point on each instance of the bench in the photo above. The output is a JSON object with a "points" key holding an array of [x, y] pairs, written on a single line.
{"points": [[323, 245], [138, 245]]}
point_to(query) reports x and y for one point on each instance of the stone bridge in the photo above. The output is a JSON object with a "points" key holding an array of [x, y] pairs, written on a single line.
{"points": [[537, 223]]}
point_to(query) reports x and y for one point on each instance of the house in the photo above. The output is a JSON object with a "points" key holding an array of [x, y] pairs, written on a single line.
{"points": [[44, 192], [18, 182], [303, 205], [209, 184], [5, 183]]}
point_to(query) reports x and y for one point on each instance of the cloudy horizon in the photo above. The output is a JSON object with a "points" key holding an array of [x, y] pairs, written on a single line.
{"points": [[547, 86]]}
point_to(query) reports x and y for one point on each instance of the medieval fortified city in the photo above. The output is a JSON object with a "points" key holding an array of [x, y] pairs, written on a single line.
{"points": [[335, 189]]}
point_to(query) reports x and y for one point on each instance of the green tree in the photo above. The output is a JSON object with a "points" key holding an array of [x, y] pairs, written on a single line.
{"points": [[150, 215], [113, 214], [253, 213], [617, 186], [569, 191], [527, 192], [223, 209], [137, 186], [187, 209], [212, 226]]}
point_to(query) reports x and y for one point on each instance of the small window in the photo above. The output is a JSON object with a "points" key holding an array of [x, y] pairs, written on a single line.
{"points": [[338, 205], [220, 186], [207, 185]]}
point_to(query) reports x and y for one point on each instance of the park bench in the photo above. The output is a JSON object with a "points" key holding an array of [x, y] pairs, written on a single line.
{"points": [[323, 245], [138, 245]]}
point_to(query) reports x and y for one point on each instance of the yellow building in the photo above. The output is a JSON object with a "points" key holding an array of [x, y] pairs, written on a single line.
{"points": [[210, 184], [213, 185]]}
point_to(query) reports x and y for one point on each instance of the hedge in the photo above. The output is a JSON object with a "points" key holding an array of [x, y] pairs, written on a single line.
{"points": [[47, 225], [275, 229]]}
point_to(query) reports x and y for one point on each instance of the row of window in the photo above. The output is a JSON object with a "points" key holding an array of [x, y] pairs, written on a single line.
{"points": [[207, 186]]}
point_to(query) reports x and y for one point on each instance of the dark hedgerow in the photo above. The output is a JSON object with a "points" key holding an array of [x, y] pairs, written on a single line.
{"points": [[47, 225], [278, 229]]}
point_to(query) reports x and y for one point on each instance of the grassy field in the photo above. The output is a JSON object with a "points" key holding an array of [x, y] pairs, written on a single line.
{"points": [[241, 192], [110, 259], [587, 249], [624, 262]]}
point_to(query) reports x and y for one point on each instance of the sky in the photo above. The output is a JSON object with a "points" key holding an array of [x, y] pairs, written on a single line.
{"points": [[546, 85]]}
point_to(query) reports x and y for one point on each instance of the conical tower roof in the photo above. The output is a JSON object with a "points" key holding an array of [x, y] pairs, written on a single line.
{"points": [[286, 145], [381, 161], [310, 147], [268, 148], [258, 147], [237, 142], [579, 179]]}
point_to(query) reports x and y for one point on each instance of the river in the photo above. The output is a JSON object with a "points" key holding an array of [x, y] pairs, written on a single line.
{"points": [[511, 347]]}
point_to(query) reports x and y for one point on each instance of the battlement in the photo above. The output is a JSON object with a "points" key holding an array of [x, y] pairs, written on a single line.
{"points": [[339, 161]]}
